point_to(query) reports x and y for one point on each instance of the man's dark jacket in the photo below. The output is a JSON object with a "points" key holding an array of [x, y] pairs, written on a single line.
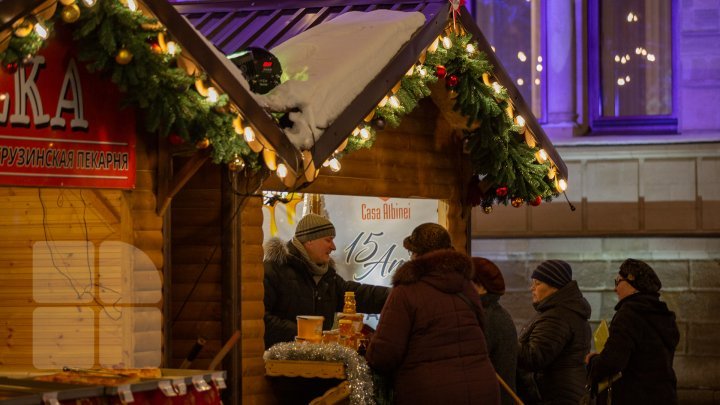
{"points": [[290, 290], [553, 346], [642, 342]]}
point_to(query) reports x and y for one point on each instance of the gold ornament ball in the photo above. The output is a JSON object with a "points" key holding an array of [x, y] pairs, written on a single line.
{"points": [[517, 202], [123, 56], [70, 13], [236, 164], [487, 209], [67, 2], [203, 143]]}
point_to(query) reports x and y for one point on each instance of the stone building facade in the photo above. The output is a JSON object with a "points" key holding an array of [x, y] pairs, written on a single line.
{"points": [[651, 197]]}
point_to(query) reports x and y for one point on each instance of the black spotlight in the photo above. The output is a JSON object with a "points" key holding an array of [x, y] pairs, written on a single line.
{"points": [[260, 68]]}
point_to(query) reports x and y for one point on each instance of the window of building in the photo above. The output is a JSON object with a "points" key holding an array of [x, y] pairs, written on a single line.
{"points": [[514, 29], [631, 68]]}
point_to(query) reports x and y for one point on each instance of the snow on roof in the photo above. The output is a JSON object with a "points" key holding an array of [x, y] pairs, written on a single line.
{"points": [[330, 64]]}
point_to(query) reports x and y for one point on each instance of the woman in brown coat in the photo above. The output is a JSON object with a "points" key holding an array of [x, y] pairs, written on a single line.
{"points": [[430, 336]]}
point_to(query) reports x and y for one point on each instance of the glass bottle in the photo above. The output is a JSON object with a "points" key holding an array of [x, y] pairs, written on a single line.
{"points": [[349, 307]]}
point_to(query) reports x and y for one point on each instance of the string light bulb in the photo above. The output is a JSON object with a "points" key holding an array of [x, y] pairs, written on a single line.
{"points": [[248, 134], [212, 95], [542, 156], [89, 3], [562, 185], [334, 165], [132, 5], [520, 120], [496, 86], [470, 48], [364, 134], [422, 71], [171, 48], [41, 30], [282, 170], [447, 43], [394, 102]]}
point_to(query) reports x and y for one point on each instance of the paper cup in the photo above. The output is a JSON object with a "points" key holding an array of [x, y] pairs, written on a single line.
{"points": [[310, 327]]}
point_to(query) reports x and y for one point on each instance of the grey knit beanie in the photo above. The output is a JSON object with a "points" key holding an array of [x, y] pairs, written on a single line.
{"points": [[313, 226], [555, 273]]}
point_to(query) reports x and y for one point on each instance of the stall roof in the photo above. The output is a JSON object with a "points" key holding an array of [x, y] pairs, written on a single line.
{"points": [[233, 25]]}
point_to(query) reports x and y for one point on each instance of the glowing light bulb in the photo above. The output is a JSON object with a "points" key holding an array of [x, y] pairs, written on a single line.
{"points": [[627, 79], [539, 59], [542, 155], [89, 3], [644, 52], [493, 48], [621, 82], [521, 55], [422, 71], [282, 170], [562, 185], [3, 96], [638, 50], [520, 120], [132, 5], [447, 43], [171, 48], [365, 134], [41, 30], [651, 57], [394, 102], [470, 48], [496, 86], [334, 165], [617, 58], [248, 134], [539, 67], [212, 95], [623, 60], [520, 81], [537, 81]]}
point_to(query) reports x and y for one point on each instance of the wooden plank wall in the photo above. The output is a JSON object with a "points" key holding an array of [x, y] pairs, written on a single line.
{"points": [[87, 218], [196, 296]]}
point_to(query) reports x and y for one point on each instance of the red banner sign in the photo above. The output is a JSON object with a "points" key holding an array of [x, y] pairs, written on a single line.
{"points": [[61, 126]]}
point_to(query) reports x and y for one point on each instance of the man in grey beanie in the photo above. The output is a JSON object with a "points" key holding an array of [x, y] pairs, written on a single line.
{"points": [[553, 345], [300, 279]]}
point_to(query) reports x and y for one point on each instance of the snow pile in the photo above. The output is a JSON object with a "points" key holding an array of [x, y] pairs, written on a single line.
{"points": [[329, 65]]}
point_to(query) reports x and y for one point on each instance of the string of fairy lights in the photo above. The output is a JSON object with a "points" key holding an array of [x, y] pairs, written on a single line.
{"points": [[518, 170]]}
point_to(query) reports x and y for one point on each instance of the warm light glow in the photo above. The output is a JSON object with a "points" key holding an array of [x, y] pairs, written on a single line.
{"points": [[623, 60], [433, 47], [638, 50], [365, 134], [521, 56], [520, 81], [630, 16], [621, 82], [539, 59], [651, 57], [447, 43], [394, 102], [282, 170], [617, 58], [422, 71], [644, 52], [383, 102], [248, 134], [520, 120], [356, 131], [334, 165], [132, 5], [171, 48], [41, 30], [212, 95], [539, 67], [3, 96], [410, 71], [562, 185], [326, 163], [496, 86], [537, 81], [89, 3], [627, 79], [627, 57], [493, 48], [542, 155], [470, 48]]}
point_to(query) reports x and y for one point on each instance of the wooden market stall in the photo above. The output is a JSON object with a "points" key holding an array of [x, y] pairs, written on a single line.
{"points": [[190, 211]]}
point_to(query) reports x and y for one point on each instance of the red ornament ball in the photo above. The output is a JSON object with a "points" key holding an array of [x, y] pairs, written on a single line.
{"points": [[440, 71], [155, 48], [452, 80], [175, 139], [536, 201], [10, 68], [501, 191]]}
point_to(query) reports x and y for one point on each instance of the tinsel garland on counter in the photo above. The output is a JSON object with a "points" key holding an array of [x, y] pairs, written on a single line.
{"points": [[358, 372]]}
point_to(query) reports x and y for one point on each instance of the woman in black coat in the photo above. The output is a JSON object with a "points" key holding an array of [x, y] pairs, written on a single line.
{"points": [[553, 346], [642, 342]]}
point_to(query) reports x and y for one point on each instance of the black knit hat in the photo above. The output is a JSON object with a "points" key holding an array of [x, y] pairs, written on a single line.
{"points": [[427, 238], [640, 275], [313, 226], [555, 273]]}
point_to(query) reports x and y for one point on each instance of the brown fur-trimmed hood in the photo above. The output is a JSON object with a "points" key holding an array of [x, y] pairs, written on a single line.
{"points": [[446, 270]]}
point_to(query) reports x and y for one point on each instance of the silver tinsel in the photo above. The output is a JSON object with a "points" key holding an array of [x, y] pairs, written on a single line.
{"points": [[356, 368]]}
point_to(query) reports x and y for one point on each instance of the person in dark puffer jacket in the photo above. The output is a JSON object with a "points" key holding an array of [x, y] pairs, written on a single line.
{"points": [[429, 337], [500, 332], [552, 347], [642, 342], [300, 279]]}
